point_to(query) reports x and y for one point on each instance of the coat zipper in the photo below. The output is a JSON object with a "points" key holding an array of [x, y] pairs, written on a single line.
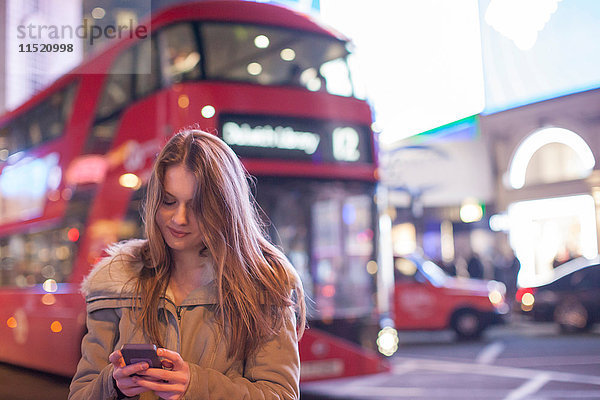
{"points": [[178, 312], [178, 309]]}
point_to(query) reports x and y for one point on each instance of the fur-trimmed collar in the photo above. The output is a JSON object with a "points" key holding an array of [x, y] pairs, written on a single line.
{"points": [[115, 273]]}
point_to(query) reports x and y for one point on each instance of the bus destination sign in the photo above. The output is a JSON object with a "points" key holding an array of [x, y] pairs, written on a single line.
{"points": [[296, 139]]}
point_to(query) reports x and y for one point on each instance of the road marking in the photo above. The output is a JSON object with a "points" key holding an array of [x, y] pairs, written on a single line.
{"points": [[489, 353], [496, 370], [403, 368], [371, 380], [529, 387], [379, 385], [390, 392], [386, 392], [529, 362]]}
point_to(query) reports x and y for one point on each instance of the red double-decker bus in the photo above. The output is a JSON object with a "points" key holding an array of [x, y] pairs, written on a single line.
{"points": [[276, 86]]}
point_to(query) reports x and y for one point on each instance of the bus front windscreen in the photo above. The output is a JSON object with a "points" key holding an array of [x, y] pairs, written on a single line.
{"points": [[326, 229], [276, 56]]}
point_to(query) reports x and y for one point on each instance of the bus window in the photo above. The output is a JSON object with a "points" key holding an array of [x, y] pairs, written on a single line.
{"points": [[180, 58], [275, 56], [338, 80], [35, 132], [325, 229], [31, 259], [290, 229], [100, 140], [147, 78], [117, 93], [36, 257], [53, 114], [18, 135], [117, 89], [131, 226], [68, 100], [44, 122], [358, 80], [4, 139]]}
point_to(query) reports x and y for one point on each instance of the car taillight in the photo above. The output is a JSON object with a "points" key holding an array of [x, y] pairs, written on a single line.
{"points": [[525, 296], [521, 292]]}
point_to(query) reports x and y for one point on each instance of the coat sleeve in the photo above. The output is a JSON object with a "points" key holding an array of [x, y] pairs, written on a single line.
{"points": [[273, 373], [93, 379]]}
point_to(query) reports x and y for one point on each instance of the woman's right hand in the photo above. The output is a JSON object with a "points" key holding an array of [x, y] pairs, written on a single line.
{"points": [[122, 374]]}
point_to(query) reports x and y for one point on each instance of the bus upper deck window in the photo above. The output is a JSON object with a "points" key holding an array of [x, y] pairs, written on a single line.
{"points": [[276, 56], [117, 89], [19, 136], [180, 58], [41, 123], [147, 69], [337, 80], [4, 139], [48, 119], [68, 99], [357, 77]]}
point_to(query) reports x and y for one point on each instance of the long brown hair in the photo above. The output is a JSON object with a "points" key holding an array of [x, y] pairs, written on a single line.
{"points": [[255, 281]]}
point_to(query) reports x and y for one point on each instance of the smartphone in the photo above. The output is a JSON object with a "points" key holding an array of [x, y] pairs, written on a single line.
{"points": [[136, 353]]}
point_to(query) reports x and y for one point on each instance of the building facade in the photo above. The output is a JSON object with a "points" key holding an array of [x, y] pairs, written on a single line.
{"points": [[547, 179]]}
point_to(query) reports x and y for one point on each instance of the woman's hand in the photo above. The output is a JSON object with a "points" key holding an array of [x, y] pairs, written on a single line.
{"points": [[168, 384], [122, 374]]}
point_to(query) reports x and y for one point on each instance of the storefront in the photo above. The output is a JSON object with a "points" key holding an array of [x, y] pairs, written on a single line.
{"points": [[548, 191]]}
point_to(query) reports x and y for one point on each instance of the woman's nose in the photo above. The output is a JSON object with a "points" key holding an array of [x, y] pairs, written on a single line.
{"points": [[180, 215]]}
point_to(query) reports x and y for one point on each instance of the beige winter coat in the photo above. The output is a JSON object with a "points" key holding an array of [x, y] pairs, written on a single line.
{"points": [[273, 373]]}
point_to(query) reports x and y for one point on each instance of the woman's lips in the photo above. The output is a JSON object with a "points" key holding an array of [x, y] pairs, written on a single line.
{"points": [[176, 233]]}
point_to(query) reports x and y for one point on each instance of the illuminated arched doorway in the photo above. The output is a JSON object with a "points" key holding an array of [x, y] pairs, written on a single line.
{"points": [[551, 229]]}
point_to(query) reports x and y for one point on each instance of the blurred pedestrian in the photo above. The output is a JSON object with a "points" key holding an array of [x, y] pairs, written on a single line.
{"points": [[506, 267], [475, 267], [205, 286], [511, 279]]}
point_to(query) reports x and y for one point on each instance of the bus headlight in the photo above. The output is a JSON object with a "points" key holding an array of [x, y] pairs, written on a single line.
{"points": [[387, 341]]}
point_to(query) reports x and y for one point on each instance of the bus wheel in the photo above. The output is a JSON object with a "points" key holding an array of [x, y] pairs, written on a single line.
{"points": [[467, 324]]}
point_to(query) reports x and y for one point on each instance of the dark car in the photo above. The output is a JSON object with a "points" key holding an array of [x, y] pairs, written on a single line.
{"points": [[571, 298]]}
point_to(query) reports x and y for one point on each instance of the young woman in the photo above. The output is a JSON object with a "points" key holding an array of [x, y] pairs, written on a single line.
{"points": [[206, 287]]}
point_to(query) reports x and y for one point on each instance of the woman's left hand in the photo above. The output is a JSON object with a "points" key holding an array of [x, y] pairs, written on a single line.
{"points": [[167, 384]]}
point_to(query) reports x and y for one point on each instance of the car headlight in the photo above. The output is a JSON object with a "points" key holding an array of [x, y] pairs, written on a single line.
{"points": [[497, 286], [496, 297]]}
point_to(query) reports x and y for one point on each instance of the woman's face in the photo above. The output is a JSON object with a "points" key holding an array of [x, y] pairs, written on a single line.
{"points": [[176, 219]]}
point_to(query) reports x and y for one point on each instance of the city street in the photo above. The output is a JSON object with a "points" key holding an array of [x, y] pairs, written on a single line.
{"points": [[184, 172], [521, 360], [518, 361]]}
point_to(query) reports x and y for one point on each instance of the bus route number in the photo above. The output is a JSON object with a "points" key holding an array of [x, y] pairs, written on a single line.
{"points": [[345, 144]]}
